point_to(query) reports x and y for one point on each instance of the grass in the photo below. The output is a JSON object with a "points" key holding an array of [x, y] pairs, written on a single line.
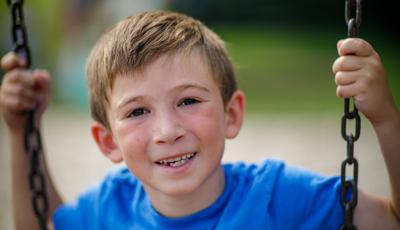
{"points": [[285, 71]]}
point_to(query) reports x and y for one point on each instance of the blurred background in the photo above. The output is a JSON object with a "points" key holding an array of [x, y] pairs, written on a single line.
{"points": [[283, 52]]}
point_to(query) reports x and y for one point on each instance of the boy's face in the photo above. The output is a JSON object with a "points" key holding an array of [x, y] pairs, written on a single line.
{"points": [[169, 124]]}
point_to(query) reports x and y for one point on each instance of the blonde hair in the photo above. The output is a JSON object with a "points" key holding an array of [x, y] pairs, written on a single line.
{"points": [[137, 40]]}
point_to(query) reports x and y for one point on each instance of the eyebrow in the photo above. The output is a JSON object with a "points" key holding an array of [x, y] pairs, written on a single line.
{"points": [[177, 88], [124, 101], [191, 85]]}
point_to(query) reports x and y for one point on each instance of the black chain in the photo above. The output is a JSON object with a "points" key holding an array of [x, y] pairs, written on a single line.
{"points": [[349, 184], [33, 143]]}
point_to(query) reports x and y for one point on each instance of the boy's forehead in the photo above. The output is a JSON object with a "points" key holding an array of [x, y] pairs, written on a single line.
{"points": [[185, 68], [184, 60]]}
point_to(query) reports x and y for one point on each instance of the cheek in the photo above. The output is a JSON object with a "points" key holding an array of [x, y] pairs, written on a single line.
{"points": [[133, 142], [209, 124], [132, 139]]}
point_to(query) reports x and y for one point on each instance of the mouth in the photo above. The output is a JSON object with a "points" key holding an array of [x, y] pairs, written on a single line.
{"points": [[175, 162]]}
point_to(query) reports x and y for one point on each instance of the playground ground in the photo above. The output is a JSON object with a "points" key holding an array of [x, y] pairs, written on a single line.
{"points": [[311, 142]]}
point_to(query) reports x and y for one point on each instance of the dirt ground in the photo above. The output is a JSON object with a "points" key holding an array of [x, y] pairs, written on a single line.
{"points": [[314, 143]]}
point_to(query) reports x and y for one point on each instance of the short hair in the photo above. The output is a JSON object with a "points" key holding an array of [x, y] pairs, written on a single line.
{"points": [[137, 40]]}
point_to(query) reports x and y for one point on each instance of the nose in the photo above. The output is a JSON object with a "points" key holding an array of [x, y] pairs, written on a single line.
{"points": [[167, 129]]}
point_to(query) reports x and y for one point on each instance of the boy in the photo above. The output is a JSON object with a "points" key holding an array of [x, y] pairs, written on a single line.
{"points": [[163, 97]]}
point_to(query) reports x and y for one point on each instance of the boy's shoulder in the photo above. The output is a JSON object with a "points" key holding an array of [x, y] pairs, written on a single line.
{"points": [[279, 180], [281, 191], [112, 193]]}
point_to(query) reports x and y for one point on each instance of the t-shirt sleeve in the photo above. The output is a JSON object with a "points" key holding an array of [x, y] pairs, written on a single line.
{"points": [[305, 200], [79, 214]]}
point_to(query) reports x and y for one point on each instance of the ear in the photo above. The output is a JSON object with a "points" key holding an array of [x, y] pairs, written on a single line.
{"points": [[104, 139], [234, 114]]}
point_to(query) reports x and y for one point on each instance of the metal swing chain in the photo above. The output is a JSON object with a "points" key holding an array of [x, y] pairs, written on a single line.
{"points": [[32, 140], [349, 188]]}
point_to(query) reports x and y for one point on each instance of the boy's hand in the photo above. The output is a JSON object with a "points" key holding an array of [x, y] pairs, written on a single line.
{"points": [[359, 73], [21, 91]]}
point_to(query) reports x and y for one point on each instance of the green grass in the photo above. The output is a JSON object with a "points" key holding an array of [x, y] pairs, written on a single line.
{"points": [[284, 71]]}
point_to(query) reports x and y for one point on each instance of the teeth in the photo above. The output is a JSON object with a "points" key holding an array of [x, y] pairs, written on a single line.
{"points": [[178, 161]]}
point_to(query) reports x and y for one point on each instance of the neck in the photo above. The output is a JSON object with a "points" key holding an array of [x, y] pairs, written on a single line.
{"points": [[185, 204]]}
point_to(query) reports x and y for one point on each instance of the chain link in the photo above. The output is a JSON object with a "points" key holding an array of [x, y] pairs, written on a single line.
{"points": [[33, 143], [349, 190]]}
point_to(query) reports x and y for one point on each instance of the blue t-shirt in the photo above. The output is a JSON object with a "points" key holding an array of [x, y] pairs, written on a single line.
{"points": [[270, 195]]}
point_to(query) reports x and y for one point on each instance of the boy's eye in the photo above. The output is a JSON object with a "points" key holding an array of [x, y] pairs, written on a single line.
{"points": [[188, 101], [138, 112]]}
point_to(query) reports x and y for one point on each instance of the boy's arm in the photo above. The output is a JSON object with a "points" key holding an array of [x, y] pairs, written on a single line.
{"points": [[21, 91], [359, 73], [375, 212], [23, 213]]}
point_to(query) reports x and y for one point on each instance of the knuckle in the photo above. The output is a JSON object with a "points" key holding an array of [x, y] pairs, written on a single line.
{"points": [[339, 78], [7, 77], [368, 75], [365, 47], [12, 75], [337, 81], [339, 91], [341, 63], [338, 65], [9, 61], [358, 43], [369, 79], [348, 42], [334, 68], [375, 63], [4, 61]]}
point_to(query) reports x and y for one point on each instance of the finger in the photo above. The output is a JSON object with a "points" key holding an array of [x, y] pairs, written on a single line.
{"points": [[11, 60], [339, 43], [355, 46], [42, 87], [347, 63], [41, 80], [19, 92], [18, 106], [46, 86], [18, 76], [347, 91], [346, 78]]}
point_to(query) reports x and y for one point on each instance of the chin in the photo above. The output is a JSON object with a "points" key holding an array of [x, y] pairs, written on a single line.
{"points": [[179, 189]]}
